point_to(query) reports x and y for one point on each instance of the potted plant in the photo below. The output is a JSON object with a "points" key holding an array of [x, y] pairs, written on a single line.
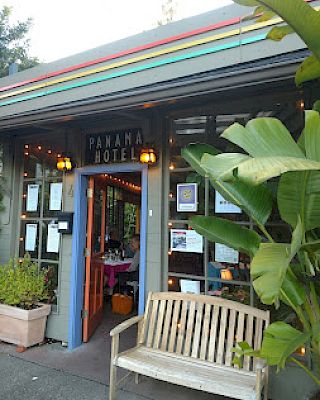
{"points": [[286, 273], [22, 315]]}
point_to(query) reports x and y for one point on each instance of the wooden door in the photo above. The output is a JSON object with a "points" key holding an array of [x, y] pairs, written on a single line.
{"points": [[93, 288]]}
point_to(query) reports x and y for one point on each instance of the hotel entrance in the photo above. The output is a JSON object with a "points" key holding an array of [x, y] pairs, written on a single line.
{"points": [[112, 253], [110, 225]]}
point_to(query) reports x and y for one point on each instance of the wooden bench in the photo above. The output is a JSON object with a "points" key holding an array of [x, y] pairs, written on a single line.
{"points": [[187, 339]]}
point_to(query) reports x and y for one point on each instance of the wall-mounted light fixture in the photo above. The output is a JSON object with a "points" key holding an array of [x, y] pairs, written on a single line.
{"points": [[64, 163], [148, 155], [226, 274]]}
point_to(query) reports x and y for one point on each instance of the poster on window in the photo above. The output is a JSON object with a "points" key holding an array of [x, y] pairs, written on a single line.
{"points": [[53, 238], [225, 254], [187, 197], [224, 207], [31, 237], [187, 241], [32, 197], [55, 200]]}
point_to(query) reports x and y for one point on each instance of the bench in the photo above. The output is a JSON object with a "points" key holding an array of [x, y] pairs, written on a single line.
{"points": [[186, 339]]}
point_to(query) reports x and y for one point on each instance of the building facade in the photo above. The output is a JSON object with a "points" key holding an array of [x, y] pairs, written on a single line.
{"points": [[181, 83]]}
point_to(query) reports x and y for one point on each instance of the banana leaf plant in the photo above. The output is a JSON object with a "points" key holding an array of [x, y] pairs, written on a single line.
{"points": [[280, 272], [299, 17]]}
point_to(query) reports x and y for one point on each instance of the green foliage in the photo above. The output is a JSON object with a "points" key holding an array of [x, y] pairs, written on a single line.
{"points": [[285, 273], [13, 43], [22, 284], [301, 18]]}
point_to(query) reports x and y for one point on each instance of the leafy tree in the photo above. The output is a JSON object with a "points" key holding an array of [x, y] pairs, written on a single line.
{"points": [[14, 45]]}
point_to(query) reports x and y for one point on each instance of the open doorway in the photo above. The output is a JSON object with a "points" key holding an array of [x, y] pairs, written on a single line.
{"points": [[112, 254], [110, 210]]}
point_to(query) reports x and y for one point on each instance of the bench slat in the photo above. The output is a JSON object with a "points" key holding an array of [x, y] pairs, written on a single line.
{"points": [[174, 326], [187, 344], [230, 341], [222, 334], [159, 324], [182, 328], [257, 338], [205, 332], [152, 322], [197, 331], [213, 333], [249, 335], [167, 324]]}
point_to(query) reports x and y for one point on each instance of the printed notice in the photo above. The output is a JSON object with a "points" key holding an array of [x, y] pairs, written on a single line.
{"points": [[188, 286], [53, 238], [185, 240], [225, 254], [31, 237], [187, 197], [32, 197], [55, 196], [223, 206]]}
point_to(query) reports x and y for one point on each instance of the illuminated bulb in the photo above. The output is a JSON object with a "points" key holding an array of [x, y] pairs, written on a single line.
{"points": [[26, 153], [23, 216], [24, 195], [26, 146], [39, 147], [49, 151], [169, 253], [179, 325], [58, 155], [170, 224], [21, 239], [171, 140], [302, 351], [300, 104], [170, 282], [25, 174], [171, 195], [171, 166]]}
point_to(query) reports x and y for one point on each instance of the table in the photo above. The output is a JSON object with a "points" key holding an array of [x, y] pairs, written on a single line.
{"points": [[111, 268]]}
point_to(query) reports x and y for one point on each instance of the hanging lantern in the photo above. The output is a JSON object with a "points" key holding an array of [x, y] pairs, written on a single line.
{"points": [[64, 163], [148, 155]]}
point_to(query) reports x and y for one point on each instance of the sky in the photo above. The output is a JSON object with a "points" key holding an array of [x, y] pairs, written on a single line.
{"points": [[65, 27]]}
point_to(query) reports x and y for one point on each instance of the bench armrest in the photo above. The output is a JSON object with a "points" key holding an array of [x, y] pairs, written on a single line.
{"points": [[125, 325], [261, 364]]}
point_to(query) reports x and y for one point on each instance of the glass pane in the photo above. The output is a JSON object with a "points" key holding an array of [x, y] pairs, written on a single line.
{"points": [[31, 199], [97, 212], [46, 200], [32, 166], [52, 280], [51, 240], [29, 238], [229, 291]]}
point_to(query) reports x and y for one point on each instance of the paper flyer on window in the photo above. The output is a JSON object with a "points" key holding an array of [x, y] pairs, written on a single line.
{"points": [[32, 197], [225, 254], [223, 206], [187, 241]]}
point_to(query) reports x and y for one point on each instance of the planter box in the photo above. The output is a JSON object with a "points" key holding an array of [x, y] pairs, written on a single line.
{"points": [[23, 327]]}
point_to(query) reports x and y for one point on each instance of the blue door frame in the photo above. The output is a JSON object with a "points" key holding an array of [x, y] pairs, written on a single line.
{"points": [[79, 240]]}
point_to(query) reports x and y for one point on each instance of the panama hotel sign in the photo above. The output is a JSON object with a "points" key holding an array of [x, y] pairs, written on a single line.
{"points": [[114, 146]]}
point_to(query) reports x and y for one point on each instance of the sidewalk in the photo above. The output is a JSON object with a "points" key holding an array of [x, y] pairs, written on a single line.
{"points": [[24, 380]]}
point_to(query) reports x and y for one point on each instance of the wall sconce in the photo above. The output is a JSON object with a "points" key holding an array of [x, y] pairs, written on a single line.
{"points": [[64, 163], [226, 274], [148, 155]]}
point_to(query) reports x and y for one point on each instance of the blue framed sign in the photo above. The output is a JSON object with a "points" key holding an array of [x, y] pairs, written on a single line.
{"points": [[187, 197]]}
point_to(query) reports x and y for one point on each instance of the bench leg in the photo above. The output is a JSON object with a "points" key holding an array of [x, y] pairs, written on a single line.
{"points": [[113, 368], [113, 382], [136, 378]]}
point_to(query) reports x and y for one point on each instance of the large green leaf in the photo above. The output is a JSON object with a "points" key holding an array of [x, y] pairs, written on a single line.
{"points": [[263, 137], [299, 193], [304, 20], [256, 201], [312, 134], [194, 152], [277, 33], [226, 232], [268, 271], [280, 340], [293, 293], [253, 171], [308, 70]]}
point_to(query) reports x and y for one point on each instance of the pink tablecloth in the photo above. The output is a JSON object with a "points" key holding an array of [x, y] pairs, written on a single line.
{"points": [[112, 268]]}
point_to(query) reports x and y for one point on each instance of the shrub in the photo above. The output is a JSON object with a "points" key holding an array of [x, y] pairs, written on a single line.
{"points": [[22, 284]]}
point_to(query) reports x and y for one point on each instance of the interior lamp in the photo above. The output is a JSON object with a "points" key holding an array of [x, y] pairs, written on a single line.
{"points": [[148, 155], [226, 274], [64, 163]]}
